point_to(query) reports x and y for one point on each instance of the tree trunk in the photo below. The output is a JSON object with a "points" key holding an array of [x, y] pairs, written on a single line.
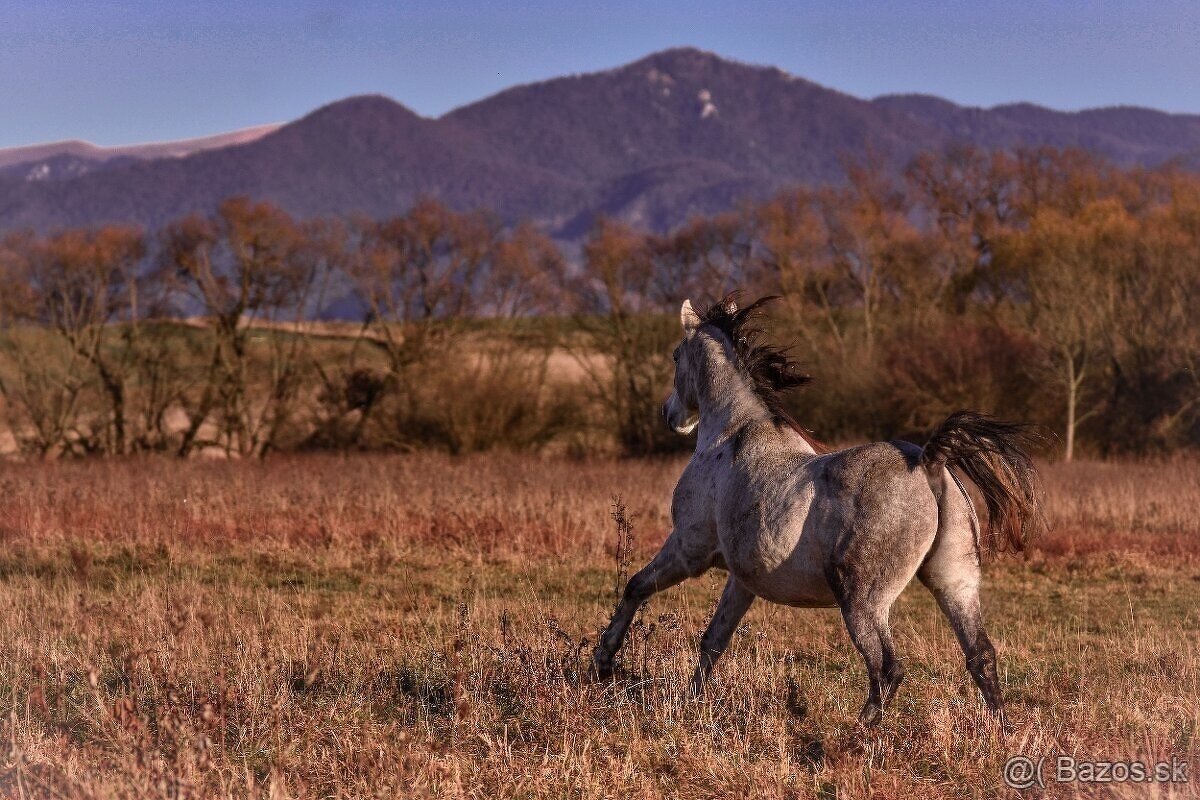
{"points": [[1074, 381], [1070, 452]]}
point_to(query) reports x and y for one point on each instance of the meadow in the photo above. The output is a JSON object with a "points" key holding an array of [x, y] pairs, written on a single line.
{"points": [[419, 626]]}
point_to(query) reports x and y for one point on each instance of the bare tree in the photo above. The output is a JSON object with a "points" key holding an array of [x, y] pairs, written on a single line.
{"points": [[1070, 264], [874, 246], [250, 271], [419, 275], [791, 258], [707, 257], [624, 335], [526, 276], [972, 197], [82, 286]]}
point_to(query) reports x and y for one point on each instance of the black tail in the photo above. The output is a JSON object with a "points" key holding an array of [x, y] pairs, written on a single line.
{"points": [[992, 453]]}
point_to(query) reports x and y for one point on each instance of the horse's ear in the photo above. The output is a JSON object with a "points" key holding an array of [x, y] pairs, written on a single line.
{"points": [[689, 318]]}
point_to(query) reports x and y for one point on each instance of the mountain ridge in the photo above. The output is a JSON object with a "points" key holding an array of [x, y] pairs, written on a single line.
{"points": [[171, 148], [673, 134]]}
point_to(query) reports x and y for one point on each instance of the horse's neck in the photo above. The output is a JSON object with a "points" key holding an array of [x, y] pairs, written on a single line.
{"points": [[728, 403], [725, 397]]}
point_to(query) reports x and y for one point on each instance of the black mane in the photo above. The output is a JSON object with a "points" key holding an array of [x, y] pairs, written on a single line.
{"points": [[771, 370]]}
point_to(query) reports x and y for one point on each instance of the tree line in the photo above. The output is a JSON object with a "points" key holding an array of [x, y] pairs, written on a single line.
{"points": [[1038, 284]]}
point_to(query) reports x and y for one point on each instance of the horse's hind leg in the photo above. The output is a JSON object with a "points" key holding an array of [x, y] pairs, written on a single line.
{"points": [[735, 602], [867, 623], [665, 570], [958, 598], [961, 606], [951, 572]]}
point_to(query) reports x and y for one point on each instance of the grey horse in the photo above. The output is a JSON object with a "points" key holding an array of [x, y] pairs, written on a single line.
{"points": [[794, 524]]}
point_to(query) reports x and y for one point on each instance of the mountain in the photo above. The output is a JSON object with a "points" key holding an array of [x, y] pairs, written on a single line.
{"points": [[70, 159], [367, 155], [1126, 135], [677, 133]]}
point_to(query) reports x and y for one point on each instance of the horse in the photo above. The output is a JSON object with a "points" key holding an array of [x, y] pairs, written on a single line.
{"points": [[796, 524]]}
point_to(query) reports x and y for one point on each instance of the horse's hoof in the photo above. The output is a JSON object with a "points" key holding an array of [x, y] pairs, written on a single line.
{"points": [[601, 670], [870, 716]]}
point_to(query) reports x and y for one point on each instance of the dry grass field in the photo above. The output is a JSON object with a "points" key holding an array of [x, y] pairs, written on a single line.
{"points": [[418, 626]]}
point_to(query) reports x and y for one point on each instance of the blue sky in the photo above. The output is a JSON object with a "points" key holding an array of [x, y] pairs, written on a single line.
{"points": [[123, 72]]}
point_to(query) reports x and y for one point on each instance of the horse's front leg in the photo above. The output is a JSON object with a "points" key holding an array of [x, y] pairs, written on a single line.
{"points": [[735, 602], [665, 570]]}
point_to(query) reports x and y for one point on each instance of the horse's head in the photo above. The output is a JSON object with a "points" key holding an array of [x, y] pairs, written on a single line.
{"points": [[682, 409], [766, 369]]}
